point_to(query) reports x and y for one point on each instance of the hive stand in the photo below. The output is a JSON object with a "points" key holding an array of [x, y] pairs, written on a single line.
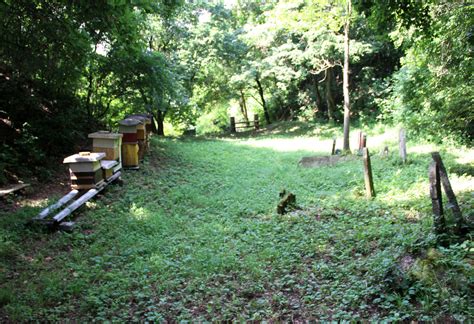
{"points": [[87, 180]]}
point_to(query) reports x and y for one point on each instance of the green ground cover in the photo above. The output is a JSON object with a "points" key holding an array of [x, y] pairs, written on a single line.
{"points": [[195, 235]]}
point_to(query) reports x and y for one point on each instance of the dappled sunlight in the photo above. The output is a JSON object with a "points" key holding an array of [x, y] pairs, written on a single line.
{"points": [[202, 223], [236, 161], [315, 141], [36, 202], [387, 138], [139, 213], [465, 156], [399, 196], [421, 148], [462, 183]]}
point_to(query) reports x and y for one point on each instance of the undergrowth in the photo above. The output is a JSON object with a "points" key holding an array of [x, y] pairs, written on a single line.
{"points": [[194, 235]]}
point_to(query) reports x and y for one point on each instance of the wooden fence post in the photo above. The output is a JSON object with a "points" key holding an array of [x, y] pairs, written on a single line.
{"points": [[453, 202], [333, 151], [402, 143], [256, 122], [369, 181], [232, 125], [436, 200]]}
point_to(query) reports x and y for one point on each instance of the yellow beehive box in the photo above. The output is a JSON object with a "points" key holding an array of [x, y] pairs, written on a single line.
{"points": [[107, 142], [130, 155]]}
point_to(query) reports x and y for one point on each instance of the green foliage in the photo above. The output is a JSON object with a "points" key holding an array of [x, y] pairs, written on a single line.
{"points": [[194, 235], [432, 92], [69, 68], [213, 122], [77, 67]]}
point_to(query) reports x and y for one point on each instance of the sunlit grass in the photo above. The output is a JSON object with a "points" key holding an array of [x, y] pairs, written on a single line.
{"points": [[194, 235]]}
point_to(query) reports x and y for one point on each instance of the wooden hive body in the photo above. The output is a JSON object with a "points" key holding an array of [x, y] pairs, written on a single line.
{"points": [[109, 143], [130, 155], [108, 168], [141, 134], [85, 170], [147, 119], [129, 128]]}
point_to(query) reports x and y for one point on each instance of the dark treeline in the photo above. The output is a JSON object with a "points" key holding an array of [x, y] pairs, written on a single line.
{"points": [[71, 67]]}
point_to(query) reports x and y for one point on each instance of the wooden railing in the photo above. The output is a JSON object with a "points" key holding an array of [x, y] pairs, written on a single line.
{"points": [[234, 126]]}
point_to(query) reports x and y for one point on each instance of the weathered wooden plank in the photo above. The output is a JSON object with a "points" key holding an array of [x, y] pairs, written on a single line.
{"points": [[75, 205], [333, 151], [256, 122], [436, 199], [12, 188], [80, 201], [403, 144], [249, 126], [232, 125], [61, 202], [369, 182], [453, 202]]}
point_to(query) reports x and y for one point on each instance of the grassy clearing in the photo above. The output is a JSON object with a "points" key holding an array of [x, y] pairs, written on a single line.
{"points": [[194, 235]]}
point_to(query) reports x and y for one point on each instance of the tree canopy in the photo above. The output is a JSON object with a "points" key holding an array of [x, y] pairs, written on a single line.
{"points": [[73, 67]]}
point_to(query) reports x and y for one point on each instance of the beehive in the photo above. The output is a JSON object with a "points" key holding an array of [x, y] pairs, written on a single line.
{"points": [[148, 125], [107, 142], [85, 170], [148, 121], [142, 138], [130, 155], [128, 127], [108, 168]]}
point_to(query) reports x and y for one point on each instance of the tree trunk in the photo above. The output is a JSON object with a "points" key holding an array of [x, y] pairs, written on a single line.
{"points": [[160, 117], [329, 97], [243, 107], [264, 105], [154, 129], [345, 86], [319, 100]]}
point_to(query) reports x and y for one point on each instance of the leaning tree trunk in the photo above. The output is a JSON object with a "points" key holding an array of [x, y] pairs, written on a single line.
{"points": [[243, 107], [345, 86], [329, 97], [264, 104]]}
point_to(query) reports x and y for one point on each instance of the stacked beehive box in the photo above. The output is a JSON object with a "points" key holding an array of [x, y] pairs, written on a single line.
{"points": [[148, 121], [129, 128], [85, 170], [110, 144], [142, 136], [148, 129], [148, 126]]}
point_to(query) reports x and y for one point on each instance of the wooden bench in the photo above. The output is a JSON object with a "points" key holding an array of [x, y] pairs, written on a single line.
{"points": [[13, 188]]}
